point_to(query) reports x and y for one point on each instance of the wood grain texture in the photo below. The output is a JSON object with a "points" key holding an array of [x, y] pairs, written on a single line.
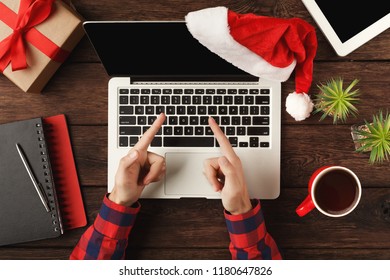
{"points": [[195, 228]]}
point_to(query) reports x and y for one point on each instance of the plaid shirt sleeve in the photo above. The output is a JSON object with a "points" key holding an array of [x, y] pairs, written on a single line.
{"points": [[249, 237], [107, 238]]}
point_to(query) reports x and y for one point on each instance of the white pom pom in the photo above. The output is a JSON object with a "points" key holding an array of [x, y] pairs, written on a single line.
{"points": [[299, 105]]}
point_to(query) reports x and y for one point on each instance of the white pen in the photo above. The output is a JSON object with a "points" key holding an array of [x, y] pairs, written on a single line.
{"points": [[32, 177]]}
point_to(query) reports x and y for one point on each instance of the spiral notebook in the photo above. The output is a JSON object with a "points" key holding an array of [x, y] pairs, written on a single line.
{"points": [[46, 150]]}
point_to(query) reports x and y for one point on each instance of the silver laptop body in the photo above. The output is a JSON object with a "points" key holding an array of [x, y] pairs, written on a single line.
{"points": [[185, 100]]}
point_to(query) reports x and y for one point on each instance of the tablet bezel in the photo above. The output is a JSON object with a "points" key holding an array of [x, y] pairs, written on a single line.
{"points": [[343, 49]]}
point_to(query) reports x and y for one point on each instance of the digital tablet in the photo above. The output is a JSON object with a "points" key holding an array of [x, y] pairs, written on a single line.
{"points": [[349, 24]]}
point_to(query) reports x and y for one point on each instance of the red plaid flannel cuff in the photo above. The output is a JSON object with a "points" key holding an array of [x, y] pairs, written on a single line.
{"points": [[114, 220], [247, 229]]}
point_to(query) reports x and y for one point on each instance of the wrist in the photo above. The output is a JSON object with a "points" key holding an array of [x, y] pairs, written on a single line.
{"points": [[245, 207], [114, 197]]}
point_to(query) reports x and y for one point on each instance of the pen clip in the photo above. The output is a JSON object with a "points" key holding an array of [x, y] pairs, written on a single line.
{"points": [[37, 186]]}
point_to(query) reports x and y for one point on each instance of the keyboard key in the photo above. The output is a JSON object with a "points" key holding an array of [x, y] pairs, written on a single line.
{"points": [[221, 91], [123, 91], [149, 110], [223, 110], [155, 99], [188, 91], [260, 121], [243, 144], [264, 144], [124, 99], [188, 141], [254, 142], [126, 110], [243, 91], [156, 91], [233, 141], [258, 130], [156, 142], [249, 100], [254, 91], [207, 99], [133, 141], [264, 91], [178, 130], [188, 130], [130, 130], [232, 91], [144, 99], [145, 91], [139, 110], [178, 91], [170, 110], [262, 100], [199, 130], [265, 110], [168, 130], [167, 91], [254, 110], [123, 141], [173, 120], [183, 120], [134, 91], [202, 110], [129, 120], [175, 99], [199, 91], [210, 91], [134, 99], [141, 120]]}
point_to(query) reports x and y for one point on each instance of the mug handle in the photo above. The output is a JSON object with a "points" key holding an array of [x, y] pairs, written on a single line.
{"points": [[305, 207]]}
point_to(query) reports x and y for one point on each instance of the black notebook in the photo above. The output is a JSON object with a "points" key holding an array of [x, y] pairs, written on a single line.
{"points": [[23, 216]]}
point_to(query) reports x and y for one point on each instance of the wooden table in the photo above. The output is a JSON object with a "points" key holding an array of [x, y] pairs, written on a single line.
{"points": [[195, 228]]}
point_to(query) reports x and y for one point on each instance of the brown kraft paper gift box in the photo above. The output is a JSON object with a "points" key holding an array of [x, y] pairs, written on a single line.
{"points": [[63, 27]]}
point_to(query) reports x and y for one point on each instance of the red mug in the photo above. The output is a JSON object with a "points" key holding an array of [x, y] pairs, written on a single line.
{"points": [[334, 190]]}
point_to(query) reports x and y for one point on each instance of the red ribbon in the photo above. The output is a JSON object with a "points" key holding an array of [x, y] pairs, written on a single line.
{"points": [[12, 48]]}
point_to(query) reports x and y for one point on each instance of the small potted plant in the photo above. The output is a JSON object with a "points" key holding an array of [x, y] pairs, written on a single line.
{"points": [[373, 137], [335, 101]]}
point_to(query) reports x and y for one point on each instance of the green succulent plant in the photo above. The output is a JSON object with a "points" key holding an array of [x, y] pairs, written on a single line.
{"points": [[374, 137], [335, 101]]}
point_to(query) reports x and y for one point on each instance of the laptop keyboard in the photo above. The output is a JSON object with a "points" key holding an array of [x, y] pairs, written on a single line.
{"points": [[242, 113]]}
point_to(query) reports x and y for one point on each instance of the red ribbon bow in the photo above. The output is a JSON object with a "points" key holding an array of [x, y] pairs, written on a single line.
{"points": [[12, 48]]}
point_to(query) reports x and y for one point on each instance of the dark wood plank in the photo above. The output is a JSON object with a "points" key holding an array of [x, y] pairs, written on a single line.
{"points": [[198, 254]]}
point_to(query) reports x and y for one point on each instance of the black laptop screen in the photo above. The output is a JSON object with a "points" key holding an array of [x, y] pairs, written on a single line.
{"points": [[349, 20], [155, 49]]}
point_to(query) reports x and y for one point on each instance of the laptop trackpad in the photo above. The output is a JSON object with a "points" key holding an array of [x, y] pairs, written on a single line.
{"points": [[184, 175]]}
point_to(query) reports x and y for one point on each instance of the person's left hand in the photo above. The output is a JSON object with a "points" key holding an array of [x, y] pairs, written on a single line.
{"points": [[138, 168]]}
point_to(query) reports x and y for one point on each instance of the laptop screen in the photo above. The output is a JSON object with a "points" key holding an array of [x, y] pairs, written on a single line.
{"points": [[147, 50], [349, 20]]}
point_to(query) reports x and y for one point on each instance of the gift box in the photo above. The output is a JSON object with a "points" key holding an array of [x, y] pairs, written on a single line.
{"points": [[36, 37]]}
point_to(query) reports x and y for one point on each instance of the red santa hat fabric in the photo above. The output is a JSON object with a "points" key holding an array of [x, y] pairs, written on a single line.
{"points": [[266, 47]]}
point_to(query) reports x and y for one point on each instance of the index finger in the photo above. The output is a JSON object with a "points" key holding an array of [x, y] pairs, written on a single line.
{"points": [[224, 143], [149, 135]]}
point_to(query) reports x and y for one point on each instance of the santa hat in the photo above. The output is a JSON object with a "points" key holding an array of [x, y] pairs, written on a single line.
{"points": [[265, 47]]}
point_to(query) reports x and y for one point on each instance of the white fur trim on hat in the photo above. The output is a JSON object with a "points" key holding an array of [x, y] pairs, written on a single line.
{"points": [[210, 27], [299, 105]]}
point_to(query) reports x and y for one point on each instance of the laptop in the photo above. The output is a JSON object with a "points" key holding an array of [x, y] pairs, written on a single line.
{"points": [[159, 67], [349, 26]]}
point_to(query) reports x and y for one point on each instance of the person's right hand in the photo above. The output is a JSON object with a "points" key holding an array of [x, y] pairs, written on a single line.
{"points": [[226, 175], [138, 168]]}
